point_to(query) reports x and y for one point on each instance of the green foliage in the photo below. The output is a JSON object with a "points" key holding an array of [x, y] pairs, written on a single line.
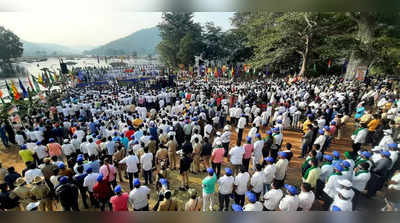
{"points": [[10, 45], [179, 33]]}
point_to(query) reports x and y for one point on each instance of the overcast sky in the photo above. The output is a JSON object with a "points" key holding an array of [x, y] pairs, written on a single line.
{"points": [[89, 25]]}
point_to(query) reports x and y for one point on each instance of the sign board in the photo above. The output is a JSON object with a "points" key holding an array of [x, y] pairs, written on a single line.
{"points": [[361, 71]]}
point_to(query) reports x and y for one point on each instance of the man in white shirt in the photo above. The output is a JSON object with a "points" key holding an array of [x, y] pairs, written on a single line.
{"points": [[306, 197], [132, 163], [253, 204], [290, 202], [139, 197], [32, 173], [281, 167], [361, 176], [89, 182], [68, 149], [272, 197], [41, 152], [236, 158], [226, 139], [257, 153], [92, 148], [343, 200], [326, 171], [241, 183], [147, 164], [225, 188], [332, 184], [257, 181], [241, 125], [269, 173]]}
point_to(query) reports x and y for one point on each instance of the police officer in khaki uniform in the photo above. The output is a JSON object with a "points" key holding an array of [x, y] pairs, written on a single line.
{"points": [[42, 192], [22, 192]]}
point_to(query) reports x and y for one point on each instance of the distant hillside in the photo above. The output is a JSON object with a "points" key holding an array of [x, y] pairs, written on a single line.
{"points": [[47, 49], [143, 42]]}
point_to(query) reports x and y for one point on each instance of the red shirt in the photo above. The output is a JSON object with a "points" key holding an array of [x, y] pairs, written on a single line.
{"points": [[120, 202], [101, 190], [129, 133], [248, 149], [217, 155]]}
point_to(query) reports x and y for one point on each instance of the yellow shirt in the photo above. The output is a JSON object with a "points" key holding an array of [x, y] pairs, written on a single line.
{"points": [[313, 176], [305, 125], [372, 125], [26, 155]]}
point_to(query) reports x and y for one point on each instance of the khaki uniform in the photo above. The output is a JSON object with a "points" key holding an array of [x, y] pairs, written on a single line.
{"points": [[42, 192], [168, 205], [196, 157], [161, 155], [24, 194], [172, 144], [118, 156]]}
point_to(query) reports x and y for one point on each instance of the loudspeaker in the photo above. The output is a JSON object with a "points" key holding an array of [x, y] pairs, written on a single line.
{"points": [[64, 69]]}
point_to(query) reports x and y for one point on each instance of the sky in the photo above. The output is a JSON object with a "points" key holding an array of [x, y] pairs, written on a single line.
{"points": [[90, 25]]}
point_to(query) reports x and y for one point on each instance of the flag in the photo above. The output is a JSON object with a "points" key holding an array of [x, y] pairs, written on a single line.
{"points": [[245, 68], [315, 67], [30, 82], [40, 79], [345, 66], [223, 69], [51, 78], [329, 64], [36, 84], [1, 93], [15, 91], [24, 92], [216, 72], [10, 92], [232, 73]]}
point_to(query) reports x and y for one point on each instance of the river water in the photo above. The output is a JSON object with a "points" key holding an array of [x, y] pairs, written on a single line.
{"points": [[53, 64]]}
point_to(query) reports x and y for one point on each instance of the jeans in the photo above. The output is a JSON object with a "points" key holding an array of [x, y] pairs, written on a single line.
{"points": [[217, 168], [239, 199], [304, 149], [147, 175], [223, 199]]}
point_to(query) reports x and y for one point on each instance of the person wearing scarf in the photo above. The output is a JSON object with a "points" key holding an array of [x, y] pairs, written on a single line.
{"points": [[359, 138], [361, 176], [312, 174], [306, 165], [330, 190], [364, 157]]}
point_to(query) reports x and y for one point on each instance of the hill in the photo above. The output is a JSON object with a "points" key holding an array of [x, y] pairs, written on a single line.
{"points": [[47, 49], [143, 42]]}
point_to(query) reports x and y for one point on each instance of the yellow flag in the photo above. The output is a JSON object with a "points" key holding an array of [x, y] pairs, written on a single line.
{"points": [[40, 80]]}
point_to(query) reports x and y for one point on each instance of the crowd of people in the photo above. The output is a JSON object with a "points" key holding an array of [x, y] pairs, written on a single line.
{"points": [[78, 152]]}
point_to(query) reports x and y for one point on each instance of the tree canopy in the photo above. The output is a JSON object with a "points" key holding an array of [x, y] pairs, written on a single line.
{"points": [[10, 45]]}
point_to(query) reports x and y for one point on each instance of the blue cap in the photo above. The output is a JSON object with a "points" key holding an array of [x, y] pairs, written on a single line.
{"points": [[251, 196], [338, 167], [328, 157], [258, 135], [392, 145], [292, 189], [228, 171], [100, 177], [61, 165], [117, 189], [321, 132], [63, 180], [38, 143], [336, 154], [336, 208], [99, 137], [210, 170], [269, 132], [24, 147], [269, 159], [280, 121], [242, 115], [79, 159], [333, 122], [136, 182], [327, 128], [51, 140], [89, 169], [163, 181], [237, 208], [385, 153], [310, 115], [283, 154], [248, 139], [346, 164], [366, 154], [275, 129], [132, 137]]}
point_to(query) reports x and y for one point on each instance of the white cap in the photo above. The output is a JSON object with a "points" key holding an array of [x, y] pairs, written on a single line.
{"points": [[32, 206], [346, 193], [345, 182], [387, 131]]}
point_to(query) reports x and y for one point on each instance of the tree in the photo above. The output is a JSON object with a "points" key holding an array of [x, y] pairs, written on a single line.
{"points": [[173, 29], [214, 43], [10, 45]]}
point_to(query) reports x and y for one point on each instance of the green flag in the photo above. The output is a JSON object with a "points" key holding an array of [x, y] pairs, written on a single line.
{"points": [[51, 78], [315, 67], [36, 84], [10, 91]]}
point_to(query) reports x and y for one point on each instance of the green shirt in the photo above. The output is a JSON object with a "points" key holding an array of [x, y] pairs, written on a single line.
{"points": [[26, 155], [209, 184]]}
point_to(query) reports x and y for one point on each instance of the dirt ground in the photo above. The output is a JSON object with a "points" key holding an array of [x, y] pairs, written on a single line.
{"points": [[10, 157]]}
